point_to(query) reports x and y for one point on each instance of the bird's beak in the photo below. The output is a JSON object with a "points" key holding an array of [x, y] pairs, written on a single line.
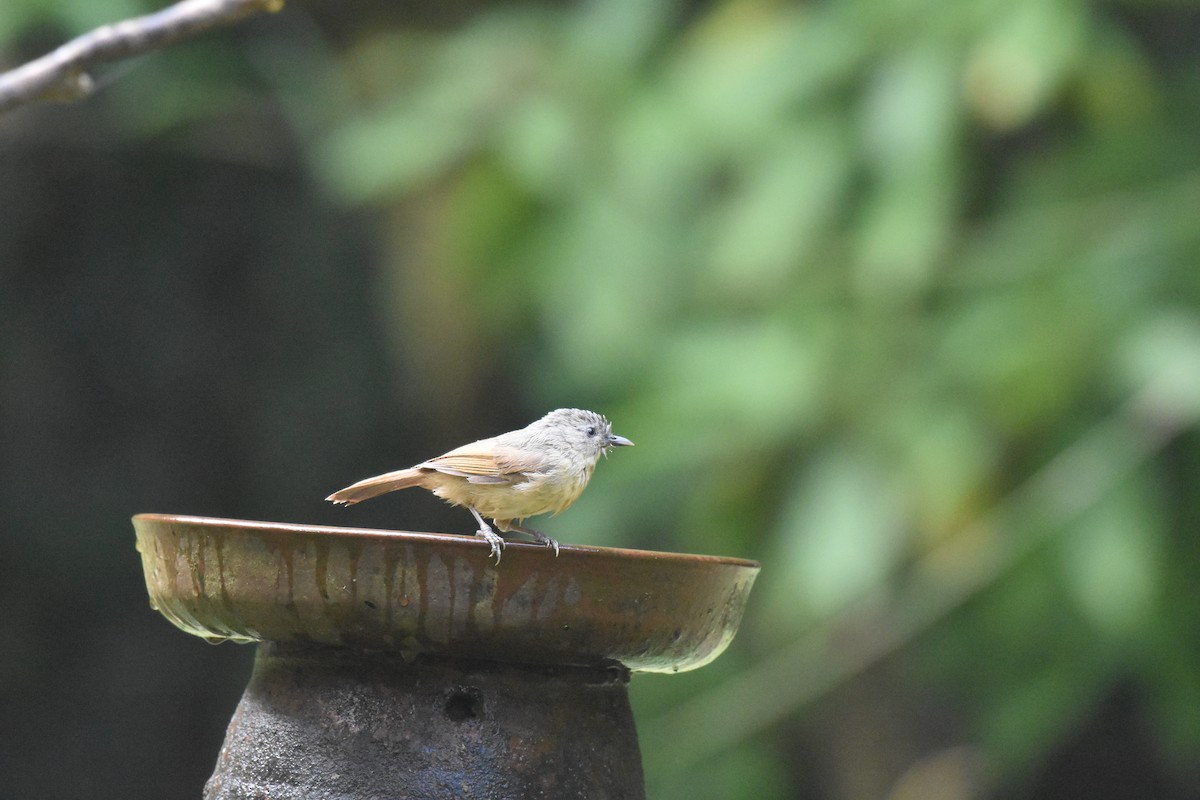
{"points": [[618, 441]]}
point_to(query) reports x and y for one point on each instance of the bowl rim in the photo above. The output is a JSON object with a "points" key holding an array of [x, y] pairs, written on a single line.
{"points": [[433, 537]]}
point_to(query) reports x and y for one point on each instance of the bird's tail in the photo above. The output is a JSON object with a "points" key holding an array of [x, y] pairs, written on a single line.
{"points": [[380, 484]]}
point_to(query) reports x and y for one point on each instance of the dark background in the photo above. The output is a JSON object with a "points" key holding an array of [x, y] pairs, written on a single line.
{"points": [[900, 299]]}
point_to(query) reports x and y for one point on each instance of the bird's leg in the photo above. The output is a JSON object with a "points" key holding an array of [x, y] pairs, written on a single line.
{"points": [[538, 535], [488, 534]]}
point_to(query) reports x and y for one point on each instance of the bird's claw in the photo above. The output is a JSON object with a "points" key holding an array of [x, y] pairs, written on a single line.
{"points": [[496, 542], [537, 535]]}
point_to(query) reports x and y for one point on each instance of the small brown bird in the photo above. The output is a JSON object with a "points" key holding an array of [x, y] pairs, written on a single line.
{"points": [[539, 469]]}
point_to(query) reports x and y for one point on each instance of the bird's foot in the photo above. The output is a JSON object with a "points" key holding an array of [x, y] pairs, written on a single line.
{"points": [[488, 534], [540, 537], [496, 541]]}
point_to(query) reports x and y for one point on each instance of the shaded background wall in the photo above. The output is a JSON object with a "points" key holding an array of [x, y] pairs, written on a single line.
{"points": [[898, 298]]}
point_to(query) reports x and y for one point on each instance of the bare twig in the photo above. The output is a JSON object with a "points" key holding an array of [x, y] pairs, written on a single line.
{"points": [[62, 74]]}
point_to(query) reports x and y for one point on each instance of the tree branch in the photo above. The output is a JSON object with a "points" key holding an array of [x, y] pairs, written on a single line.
{"points": [[62, 74]]}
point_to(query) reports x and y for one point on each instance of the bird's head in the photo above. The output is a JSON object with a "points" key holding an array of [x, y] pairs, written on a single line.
{"points": [[585, 432]]}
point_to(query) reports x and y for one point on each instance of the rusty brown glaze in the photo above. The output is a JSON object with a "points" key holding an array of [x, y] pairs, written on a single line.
{"points": [[441, 594]]}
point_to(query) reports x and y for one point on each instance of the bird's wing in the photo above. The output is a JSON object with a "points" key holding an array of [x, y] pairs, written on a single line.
{"points": [[486, 461]]}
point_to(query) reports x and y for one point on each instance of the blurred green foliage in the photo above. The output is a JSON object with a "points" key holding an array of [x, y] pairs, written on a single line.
{"points": [[899, 298], [856, 273]]}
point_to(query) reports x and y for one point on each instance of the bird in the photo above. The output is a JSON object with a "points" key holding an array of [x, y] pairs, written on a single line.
{"points": [[539, 469]]}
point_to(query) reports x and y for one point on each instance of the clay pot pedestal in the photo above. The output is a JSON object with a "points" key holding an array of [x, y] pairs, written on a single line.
{"points": [[409, 665]]}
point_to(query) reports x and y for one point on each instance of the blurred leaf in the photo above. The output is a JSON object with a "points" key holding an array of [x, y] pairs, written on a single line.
{"points": [[1117, 87], [765, 228], [541, 144], [911, 110], [1017, 68], [605, 293], [1162, 360], [1112, 563], [840, 536], [948, 465], [395, 150], [439, 116], [721, 389], [614, 35], [747, 65], [910, 118]]}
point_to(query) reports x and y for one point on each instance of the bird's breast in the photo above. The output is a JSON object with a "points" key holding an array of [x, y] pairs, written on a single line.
{"points": [[539, 493]]}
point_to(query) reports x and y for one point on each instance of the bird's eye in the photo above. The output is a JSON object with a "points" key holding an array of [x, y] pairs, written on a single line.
{"points": [[591, 430]]}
